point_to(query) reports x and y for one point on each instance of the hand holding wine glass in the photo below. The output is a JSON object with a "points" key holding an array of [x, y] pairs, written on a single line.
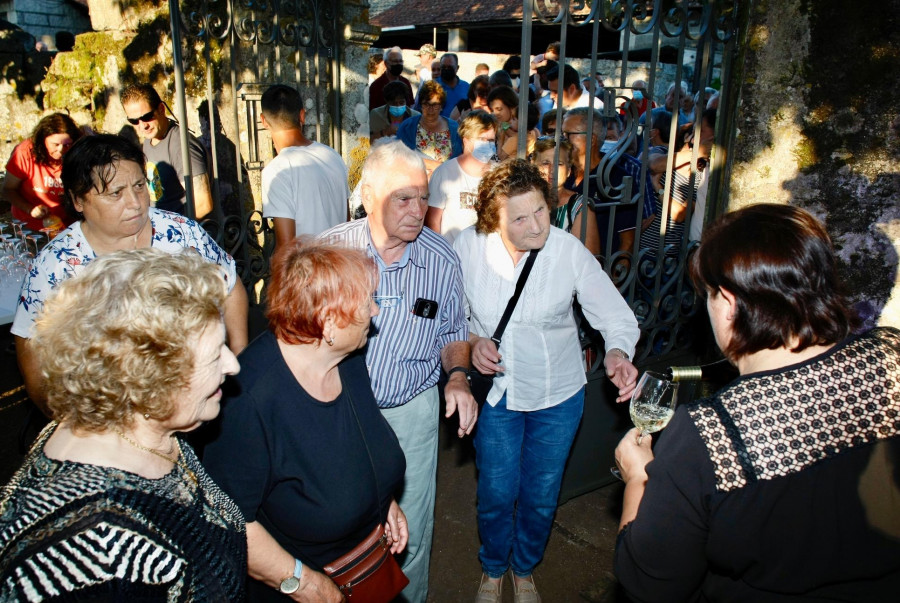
{"points": [[652, 406], [652, 403]]}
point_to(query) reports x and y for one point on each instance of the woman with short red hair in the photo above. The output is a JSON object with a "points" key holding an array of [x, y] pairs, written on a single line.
{"points": [[303, 448]]}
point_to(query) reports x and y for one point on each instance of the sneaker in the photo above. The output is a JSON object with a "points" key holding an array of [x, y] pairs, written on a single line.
{"points": [[525, 592], [489, 592]]}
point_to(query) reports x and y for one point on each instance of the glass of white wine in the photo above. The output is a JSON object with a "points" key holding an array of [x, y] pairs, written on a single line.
{"points": [[652, 405]]}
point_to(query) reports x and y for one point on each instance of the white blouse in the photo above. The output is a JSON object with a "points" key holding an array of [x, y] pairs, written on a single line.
{"points": [[540, 349]]}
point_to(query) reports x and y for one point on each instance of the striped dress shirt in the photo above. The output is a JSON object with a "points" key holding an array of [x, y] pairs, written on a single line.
{"points": [[403, 354]]}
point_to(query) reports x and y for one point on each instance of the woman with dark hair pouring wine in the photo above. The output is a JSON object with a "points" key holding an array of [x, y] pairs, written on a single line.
{"points": [[783, 485]]}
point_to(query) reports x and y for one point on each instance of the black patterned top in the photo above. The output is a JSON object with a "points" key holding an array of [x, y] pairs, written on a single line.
{"points": [[73, 531], [784, 485]]}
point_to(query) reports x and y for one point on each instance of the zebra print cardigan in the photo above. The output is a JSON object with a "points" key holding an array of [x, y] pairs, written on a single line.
{"points": [[72, 531]]}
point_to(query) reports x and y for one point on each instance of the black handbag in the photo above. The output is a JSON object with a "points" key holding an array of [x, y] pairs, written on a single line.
{"points": [[479, 383]]}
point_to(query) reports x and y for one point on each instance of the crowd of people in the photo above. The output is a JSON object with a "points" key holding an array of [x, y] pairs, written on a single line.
{"points": [[779, 487]]}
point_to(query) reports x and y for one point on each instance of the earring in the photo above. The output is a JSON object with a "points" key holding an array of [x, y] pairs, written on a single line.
{"points": [[330, 341], [147, 416]]}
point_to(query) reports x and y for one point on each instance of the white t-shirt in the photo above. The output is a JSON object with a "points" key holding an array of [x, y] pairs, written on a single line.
{"points": [[454, 191], [540, 347], [585, 100], [307, 185]]}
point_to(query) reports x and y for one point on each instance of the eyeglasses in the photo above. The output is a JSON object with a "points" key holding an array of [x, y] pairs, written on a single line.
{"points": [[146, 117], [431, 105], [571, 134], [387, 301]]}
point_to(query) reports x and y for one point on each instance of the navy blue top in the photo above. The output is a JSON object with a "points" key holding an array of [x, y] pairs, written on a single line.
{"points": [[299, 466]]}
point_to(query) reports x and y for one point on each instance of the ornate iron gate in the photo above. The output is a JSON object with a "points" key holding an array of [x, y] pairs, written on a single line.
{"points": [[241, 47], [651, 272]]}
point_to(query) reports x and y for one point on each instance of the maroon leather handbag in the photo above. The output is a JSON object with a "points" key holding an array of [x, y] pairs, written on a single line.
{"points": [[369, 573]]}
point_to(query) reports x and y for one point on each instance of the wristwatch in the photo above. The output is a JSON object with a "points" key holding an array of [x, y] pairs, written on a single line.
{"points": [[624, 354], [458, 369], [291, 584]]}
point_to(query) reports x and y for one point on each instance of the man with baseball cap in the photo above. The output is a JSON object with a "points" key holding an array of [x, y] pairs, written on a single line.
{"points": [[427, 54]]}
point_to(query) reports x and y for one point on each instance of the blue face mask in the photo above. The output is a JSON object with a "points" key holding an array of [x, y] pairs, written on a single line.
{"points": [[637, 95], [608, 146], [483, 150], [397, 111]]}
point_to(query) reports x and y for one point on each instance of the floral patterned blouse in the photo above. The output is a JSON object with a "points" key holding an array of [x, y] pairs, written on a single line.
{"points": [[434, 144], [67, 254]]}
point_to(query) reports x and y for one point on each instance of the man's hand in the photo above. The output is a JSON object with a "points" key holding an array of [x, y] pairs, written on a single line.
{"points": [[457, 392], [621, 372], [459, 398]]}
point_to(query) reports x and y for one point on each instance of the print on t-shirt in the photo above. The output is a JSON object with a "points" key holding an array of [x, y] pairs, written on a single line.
{"points": [[154, 183], [467, 199]]}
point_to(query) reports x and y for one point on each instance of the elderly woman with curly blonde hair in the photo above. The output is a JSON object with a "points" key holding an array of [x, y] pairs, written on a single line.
{"points": [[110, 504]]}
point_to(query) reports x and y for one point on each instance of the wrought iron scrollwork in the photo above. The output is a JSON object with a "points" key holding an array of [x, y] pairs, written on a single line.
{"points": [[206, 19], [293, 23], [251, 242]]}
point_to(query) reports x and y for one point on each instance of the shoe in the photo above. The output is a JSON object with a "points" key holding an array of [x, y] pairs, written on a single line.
{"points": [[525, 592], [489, 592]]}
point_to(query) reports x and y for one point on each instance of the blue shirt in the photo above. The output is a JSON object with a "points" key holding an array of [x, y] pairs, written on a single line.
{"points": [[403, 354], [454, 95]]}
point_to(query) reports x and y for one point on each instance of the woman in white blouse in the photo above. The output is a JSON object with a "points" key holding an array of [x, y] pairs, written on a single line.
{"points": [[526, 428]]}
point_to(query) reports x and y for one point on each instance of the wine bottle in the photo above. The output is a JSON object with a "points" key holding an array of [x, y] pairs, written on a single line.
{"points": [[720, 371]]}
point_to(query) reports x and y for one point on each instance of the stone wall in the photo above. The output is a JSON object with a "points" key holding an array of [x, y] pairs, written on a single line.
{"points": [[818, 126], [43, 18]]}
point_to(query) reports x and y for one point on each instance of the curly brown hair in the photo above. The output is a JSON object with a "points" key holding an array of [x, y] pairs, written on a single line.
{"points": [[510, 178], [55, 123], [117, 340]]}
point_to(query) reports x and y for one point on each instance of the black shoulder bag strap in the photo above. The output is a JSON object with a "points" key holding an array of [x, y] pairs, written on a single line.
{"points": [[520, 284]]}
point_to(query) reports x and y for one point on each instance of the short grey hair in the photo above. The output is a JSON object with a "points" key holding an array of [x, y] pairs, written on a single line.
{"points": [[599, 125], [387, 151], [684, 88], [388, 51]]}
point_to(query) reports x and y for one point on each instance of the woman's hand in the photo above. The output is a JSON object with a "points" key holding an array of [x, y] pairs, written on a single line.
{"points": [[621, 372], [632, 457], [485, 356], [39, 211], [316, 587], [396, 529]]}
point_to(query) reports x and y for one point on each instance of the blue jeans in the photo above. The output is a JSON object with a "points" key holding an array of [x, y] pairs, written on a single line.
{"points": [[520, 458]]}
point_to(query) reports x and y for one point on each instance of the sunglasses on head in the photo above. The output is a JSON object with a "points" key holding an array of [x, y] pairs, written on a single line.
{"points": [[146, 117]]}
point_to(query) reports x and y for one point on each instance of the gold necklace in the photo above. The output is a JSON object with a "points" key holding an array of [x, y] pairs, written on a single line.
{"points": [[179, 460]]}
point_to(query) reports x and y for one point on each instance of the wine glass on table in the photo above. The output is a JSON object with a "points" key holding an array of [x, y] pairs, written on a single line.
{"points": [[652, 405]]}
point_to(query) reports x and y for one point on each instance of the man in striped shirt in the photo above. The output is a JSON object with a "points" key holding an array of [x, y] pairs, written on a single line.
{"points": [[421, 326]]}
